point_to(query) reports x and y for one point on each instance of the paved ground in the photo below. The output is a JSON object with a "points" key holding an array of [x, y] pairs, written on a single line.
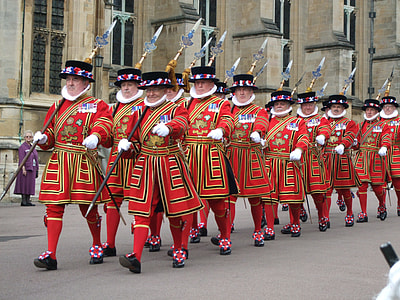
{"points": [[342, 263]]}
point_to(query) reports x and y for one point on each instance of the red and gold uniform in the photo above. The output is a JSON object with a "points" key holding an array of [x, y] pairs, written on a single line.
{"points": [[339, 167], [118, 180], [160, 176], [393, 158], [245, 154], [72, 174], [285, 134], [369, 164], [313, 167], [210, 169]]}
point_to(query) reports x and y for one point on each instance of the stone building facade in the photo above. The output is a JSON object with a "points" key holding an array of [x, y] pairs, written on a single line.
{"points": [[40, 35]]}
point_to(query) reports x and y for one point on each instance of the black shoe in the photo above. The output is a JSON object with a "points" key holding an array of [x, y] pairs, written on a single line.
{"points": [[304, 217], [215, 240], [328, 224], [155, 247], [362, 219], [295, 234], [398, 212], [48, 263], [349, 220], [30, 204], [225, 252], [259, 243], [131, 262], [286, 229], [342, 207], [232, 228], [195, 240], [323, 227], [108, 252], [96, 260], [203, 231], [170, 252], [383, 215], [285, 208], [276, 221], [24, 204]]}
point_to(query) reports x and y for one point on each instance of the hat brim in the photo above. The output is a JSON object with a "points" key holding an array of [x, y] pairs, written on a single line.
{"points": [[213, 79], [64, 76], [395, 104], [271, 103], [345, 105], [118, 83], [232, 88], [158, 85]]}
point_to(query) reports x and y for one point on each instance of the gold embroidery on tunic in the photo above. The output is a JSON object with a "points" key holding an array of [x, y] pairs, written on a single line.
{"points": [[67, 134]]}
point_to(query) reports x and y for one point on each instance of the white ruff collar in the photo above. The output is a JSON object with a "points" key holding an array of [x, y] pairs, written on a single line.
{"points": [[237, 103], [193, 93], [67, 96], [180, 92], [392, 115], [123, 100], [155, 104], [280, 114], [330, 115], [372, 118], [300, 113]]}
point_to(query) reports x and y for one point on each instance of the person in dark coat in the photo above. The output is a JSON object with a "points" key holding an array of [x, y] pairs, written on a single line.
{"points": [[25, 184]]}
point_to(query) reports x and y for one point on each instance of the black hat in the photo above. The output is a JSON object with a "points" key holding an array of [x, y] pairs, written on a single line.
{"points": [[389, 100], [221, 88], [306, 98], [338, 99], [205, 72], [77, 68], [371, 103], [324, 105], [130, 74], [179, 79], [155, 79], [281, 96], [244, 80]]}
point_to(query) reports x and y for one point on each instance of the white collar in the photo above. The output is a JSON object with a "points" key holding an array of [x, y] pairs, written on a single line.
{"points": [[372, 118], [392, 115], [280, 114], [301, 114], [330, 115], [68, 97], [193, 93], [237, 103], [180, 92], [155, 104], [123, 100]]}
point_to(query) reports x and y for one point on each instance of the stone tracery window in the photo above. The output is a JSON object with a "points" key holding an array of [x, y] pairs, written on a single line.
{"points": [[122, 42], [48, 45]]}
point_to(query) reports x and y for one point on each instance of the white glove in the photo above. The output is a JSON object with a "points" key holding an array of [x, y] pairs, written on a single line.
{"points": [[295, 154], [382, 151], [91, 141], [216, 134], [355, 142], [161, 130], [320, 139], [40, 137], [255, 137], [124, 145], [263, 142], [339, 149]]}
